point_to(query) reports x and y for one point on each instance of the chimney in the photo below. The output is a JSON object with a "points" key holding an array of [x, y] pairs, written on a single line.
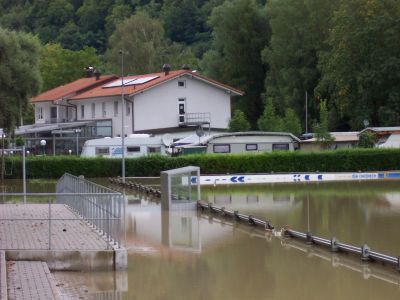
{"points": [[166, 68], [185, 67], [97, 74], [89, 71]]}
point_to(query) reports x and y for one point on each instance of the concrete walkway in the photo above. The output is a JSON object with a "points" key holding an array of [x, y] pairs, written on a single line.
{"points": [[31, 231], [30, 280], [65, 243]]}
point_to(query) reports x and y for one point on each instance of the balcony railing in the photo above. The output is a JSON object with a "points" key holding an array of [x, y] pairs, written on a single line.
{"points": [[195, 118]]}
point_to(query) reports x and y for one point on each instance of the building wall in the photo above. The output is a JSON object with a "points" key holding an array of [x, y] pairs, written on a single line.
{"points": [[158, 107], [109, 113], [62, 113]]}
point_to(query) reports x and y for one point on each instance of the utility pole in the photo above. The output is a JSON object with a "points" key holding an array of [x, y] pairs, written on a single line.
{"points": [[123, 113], [306, 111], [2, 159]]}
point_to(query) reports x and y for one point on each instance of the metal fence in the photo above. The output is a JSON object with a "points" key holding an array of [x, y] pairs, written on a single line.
{"points": [[82, 215], [101, 207]]}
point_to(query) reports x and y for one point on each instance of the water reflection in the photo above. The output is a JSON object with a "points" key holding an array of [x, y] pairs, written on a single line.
{"points": [[356, 213], [185, 255]]}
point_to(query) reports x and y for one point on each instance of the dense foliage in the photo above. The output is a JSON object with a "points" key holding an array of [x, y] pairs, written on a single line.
{"points": [[238, 122], [298, 161], [19, 75], [276, 51]]}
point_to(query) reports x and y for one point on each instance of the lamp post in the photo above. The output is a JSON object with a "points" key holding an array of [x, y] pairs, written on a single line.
{"points": [[77, 132], [43, 144], [123, 115]]}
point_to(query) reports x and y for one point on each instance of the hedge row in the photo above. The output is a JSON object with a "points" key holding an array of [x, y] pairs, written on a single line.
{"points": [[298, 161]]}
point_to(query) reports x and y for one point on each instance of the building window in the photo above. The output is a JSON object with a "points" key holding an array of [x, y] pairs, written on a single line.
{"points": [[53, 112], [102, 151], [115, 108], [103, 109], [128, 108], [222, 148], [154, 149], [133, 149], [39, 113], [181, 83], [251, 147], [93, 110], [82, 111], [277, 147]]}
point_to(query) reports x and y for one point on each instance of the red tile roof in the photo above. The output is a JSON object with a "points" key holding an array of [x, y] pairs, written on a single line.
{"points": [[73, 88], [101, 91]]}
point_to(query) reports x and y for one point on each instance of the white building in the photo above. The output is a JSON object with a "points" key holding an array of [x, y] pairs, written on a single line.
{"points": [[176, 102], [158, 102]]}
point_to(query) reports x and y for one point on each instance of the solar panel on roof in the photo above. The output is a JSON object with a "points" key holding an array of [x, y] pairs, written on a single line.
{"points": [[143, 80], [131, 81], [118, 82]]}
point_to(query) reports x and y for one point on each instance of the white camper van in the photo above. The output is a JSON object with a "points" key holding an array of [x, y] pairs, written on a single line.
{"points": [[136, 145]]}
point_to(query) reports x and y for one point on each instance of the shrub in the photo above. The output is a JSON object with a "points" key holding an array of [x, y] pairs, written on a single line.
{"points": [[325, 161]]}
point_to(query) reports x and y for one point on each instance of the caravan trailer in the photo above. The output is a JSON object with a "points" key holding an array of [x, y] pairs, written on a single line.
{"points": [[136, 145]]}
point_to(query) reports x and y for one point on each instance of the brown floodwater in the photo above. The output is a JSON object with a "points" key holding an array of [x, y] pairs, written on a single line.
{"points": [[191, 255]]}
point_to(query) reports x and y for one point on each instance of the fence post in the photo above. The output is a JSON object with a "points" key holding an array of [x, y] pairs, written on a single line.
{"points": [[49, 223]]}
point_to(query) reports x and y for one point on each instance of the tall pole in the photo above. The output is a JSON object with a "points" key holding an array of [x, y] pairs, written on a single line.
{"points": [[2, 159], [123, 115], [306, 112], [24, 173]]}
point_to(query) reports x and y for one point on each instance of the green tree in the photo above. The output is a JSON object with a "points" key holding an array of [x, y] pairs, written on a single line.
{"points": [[177, 55], [19, 75], [291, 122], [119, 12], [269, 121], [299, 31], [142, 39], [321, 129], [238, 122], [182, 21], [361, 71], [367, 139], [240, 31], [91, 21], [48, 18], [60, 66]]}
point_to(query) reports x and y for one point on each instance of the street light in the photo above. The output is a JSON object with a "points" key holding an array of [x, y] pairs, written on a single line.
{"points": [[77, 132], [43, 144], [121, 52]]}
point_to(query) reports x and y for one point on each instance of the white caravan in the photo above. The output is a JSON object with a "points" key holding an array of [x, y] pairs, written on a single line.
{"points": [[136, 145], [393, 141]]}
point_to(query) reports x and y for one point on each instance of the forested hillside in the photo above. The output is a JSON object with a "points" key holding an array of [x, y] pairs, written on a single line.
{"points": [[345, 54]]}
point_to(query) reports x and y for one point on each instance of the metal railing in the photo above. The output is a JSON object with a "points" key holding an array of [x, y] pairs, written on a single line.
{"points": [[101, 207], [198, 118]]}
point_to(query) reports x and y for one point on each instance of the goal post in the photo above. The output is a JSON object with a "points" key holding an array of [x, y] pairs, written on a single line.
{"points": [[180, 188]]}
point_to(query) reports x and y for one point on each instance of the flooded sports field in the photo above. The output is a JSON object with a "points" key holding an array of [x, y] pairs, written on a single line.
{"points": [[193, 255]]}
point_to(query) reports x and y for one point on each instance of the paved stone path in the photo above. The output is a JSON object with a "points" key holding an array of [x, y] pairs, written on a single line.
{"points": [[3, 276], [34, 234], [28, 280]]}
